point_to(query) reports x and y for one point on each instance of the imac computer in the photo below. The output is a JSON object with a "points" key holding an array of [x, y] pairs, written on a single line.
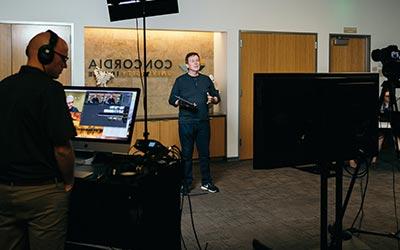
{"points": [[103, 117]]}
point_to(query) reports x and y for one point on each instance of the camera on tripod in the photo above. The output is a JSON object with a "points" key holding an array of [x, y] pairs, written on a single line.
{"points": [[390, 59], [389, 108]]}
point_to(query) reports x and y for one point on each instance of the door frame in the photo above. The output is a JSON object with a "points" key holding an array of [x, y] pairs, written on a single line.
{"points": [[240, 71], [344, 35]]}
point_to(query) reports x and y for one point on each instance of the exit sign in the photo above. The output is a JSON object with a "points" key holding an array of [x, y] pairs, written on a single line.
{"points": [[350, 29]]}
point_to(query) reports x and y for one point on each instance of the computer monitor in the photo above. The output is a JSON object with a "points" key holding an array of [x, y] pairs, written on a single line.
{"points": [[306, 118], [103, 117]]}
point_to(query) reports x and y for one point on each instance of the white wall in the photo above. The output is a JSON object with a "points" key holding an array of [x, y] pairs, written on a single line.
{"points": [[379, 19]]}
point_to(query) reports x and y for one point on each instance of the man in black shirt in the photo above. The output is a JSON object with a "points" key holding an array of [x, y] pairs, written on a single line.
{"points": [[192, 92], [36, 157]]}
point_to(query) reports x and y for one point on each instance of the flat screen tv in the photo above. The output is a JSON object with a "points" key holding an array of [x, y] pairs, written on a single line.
{"points": [[104, 118], [304, 118]]}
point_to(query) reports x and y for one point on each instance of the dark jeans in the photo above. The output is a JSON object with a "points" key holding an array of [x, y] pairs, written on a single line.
{"points": [[198, 132]]}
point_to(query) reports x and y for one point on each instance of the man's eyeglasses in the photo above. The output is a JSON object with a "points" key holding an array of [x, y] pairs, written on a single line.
{"points": [[64, 58]]}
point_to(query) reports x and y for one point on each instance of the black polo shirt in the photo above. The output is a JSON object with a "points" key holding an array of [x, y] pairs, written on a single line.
{"points": [[34, 119]]}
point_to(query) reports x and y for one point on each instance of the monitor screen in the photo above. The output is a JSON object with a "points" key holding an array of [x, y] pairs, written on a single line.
{"points": [[304, 118], [103, 117]]}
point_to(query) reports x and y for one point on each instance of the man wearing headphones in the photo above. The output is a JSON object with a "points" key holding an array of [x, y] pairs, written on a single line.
{"points": [[36, 157]]}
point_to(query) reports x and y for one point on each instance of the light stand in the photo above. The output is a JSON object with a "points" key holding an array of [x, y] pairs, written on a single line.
{"points": [[122, 10], [145, 75]]}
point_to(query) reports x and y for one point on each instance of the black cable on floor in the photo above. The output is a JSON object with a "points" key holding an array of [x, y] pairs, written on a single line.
{"points": [[192, 221], [362, 199], [180, 211], [362, 192]]}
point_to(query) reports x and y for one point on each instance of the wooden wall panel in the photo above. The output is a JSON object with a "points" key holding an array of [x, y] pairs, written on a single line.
{"points": [[153, 128], [115, 50], [169, 133], [5, 50], [21, 35], [264, 52]]}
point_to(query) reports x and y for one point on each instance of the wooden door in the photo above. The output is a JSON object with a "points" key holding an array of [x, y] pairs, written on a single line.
{"points": [[21, 35], [5, 50], [262, 52], [349, 53]]}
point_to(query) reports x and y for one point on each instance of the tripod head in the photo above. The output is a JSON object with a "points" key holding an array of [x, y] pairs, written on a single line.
{"points": [[390, 59]]}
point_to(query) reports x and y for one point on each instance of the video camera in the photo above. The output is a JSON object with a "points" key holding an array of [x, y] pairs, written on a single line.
{"points": [[390, 59]]}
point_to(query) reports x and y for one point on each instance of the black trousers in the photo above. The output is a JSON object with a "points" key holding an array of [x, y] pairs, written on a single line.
{"points": [[191, 132]]}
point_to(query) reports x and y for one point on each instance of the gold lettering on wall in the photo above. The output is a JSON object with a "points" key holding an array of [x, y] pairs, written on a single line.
{"points": [[115, 50]]}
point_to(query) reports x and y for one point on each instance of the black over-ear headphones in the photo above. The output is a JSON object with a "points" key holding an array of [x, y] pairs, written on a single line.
{"points": [[46, 52]]}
